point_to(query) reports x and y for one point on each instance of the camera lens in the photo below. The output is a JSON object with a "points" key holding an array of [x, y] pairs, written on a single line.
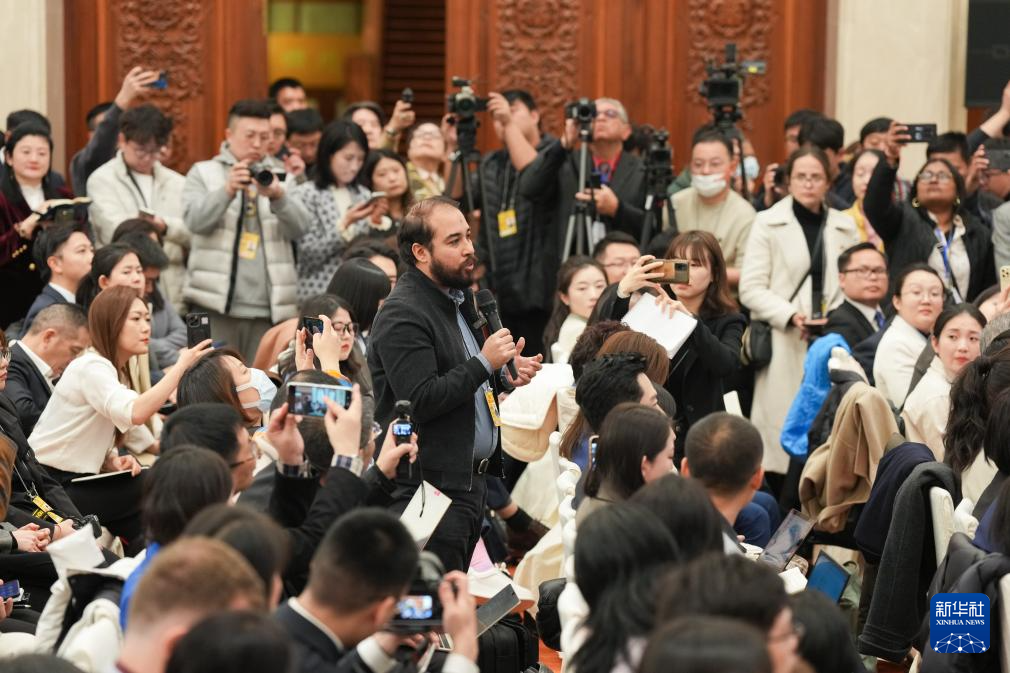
{"points": [[264, 177]]}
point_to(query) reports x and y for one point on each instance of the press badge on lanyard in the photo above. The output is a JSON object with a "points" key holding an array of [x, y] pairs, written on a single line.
{"points": [[508, 225], [944, 247], [250, 240], [492, 407]]}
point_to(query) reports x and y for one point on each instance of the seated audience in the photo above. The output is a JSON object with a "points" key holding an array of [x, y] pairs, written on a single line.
{"points": [[973, 396], [255, 536], [361, 570], [723, 452], [168, 332], [218, 428], [963, 258], [706, 645], [223, 377], [27, 193], [57, 336], [635, 447], [621, 555], [955, 342], [337, 204], [189, 581], [115, 265], [604, 384], [279, 348], [862, 275], [703, 368], [738, 588], [176, 488], [365, 286], [616, 252], [134, 184], [918, 300], [63, 255], [685, 509], [233, 642], [92, 407], [581, 281]]}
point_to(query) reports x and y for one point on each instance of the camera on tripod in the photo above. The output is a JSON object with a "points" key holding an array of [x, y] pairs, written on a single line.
{"points": [[659, 164], [723, 85], [582, 111], [465, 103]]}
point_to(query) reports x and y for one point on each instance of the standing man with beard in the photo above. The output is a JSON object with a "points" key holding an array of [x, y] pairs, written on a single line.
{"points": [[424, 347]]}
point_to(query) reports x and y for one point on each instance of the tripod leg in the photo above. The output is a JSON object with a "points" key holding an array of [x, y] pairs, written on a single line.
{"points": [[450, 184]]}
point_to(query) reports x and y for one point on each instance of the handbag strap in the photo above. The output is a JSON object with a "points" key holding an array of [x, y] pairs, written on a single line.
{"points": [[815, 257]]}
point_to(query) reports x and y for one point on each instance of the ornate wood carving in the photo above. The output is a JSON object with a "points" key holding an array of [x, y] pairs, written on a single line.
{"points": [[537, 51], [168, 33], [713, 23]]}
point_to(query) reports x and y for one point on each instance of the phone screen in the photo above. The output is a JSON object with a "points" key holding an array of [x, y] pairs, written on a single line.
{"points": [[10, 589], [403, 429], [828, 577], [309, 399]]}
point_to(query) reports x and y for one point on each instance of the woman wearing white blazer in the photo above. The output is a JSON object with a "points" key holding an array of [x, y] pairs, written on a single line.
{"points": [[779, 251]]}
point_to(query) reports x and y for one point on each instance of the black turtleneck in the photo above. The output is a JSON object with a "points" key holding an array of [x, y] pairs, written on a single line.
{"points": [[810, 221]]}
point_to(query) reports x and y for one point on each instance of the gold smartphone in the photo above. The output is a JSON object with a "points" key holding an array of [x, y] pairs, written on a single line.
{"points": [[675, 271]]}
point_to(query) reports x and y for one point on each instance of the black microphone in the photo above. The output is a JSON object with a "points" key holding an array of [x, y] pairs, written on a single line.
{"points": [[489, 307]]}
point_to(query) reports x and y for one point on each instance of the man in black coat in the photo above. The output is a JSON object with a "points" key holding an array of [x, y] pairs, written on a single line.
{"points": [[427, 347], [57, 336], [360, 573], [620, 199], [862, 274]]}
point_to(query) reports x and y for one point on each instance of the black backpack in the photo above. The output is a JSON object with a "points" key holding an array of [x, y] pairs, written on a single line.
{"points": [[510, 646]]}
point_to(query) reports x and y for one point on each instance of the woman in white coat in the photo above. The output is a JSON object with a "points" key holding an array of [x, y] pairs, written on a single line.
{"points": [[782, 243]]}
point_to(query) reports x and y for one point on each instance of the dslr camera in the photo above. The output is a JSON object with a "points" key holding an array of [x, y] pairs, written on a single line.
{"points": [[264, 176], [420, 611], [465, 103], [583, 110], [723, 85]]}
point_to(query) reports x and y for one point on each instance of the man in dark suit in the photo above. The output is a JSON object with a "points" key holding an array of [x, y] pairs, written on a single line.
{"points": [[427, 347], [862, 274], [63, 255], [58, 334], [358, 576], [620, 199]]}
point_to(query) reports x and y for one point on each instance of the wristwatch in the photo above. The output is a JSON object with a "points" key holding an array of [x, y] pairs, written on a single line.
{"points": [[302, 471], [391, 134], [349, 463]]}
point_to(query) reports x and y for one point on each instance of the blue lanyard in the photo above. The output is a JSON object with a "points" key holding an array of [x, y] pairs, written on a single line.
{"points": [[945, 255]]}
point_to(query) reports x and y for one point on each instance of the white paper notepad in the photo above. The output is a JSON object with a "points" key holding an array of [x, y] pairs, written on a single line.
{"points": [[648, 318]]}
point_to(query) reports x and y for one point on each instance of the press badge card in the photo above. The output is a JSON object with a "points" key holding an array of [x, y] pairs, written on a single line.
{"points": [[424, 511], [248, 244], [959, 623], [507, 223]]}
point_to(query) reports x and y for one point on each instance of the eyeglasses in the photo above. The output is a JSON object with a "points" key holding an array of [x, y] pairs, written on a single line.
{"points": [[917, 295], [868, 272], [347, 329], [254, 454], [796, 631], [5, 355], [609, 113], [809, 179], [939, 176], [149, 151]]}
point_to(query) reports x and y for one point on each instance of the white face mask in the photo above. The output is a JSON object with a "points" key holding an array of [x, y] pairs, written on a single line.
{"points": [[708, 185], [259, 380], [751, 168]]}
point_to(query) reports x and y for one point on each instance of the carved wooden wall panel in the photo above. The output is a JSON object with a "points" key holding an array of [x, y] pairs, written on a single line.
{"points": [[214, 52], [647, 53]]}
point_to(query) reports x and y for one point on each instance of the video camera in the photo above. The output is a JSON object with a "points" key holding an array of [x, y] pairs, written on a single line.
{"points": [[659, 164], [723, 85], [582, 111], [420, 610], [465, 103]]}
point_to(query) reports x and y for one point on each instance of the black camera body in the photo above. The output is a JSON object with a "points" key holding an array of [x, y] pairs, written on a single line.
{"points": [[723, 85], [465, 103], [420, 611], [582, 110], [659, 165], [265, 176]]}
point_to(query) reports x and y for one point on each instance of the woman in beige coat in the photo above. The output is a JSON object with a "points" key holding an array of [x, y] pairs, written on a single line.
{"points": [[777, 261]]}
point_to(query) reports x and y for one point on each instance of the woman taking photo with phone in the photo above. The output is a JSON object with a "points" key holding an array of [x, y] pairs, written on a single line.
{"points": [[933, 227], [702, 368], [81, 430], [789, 281]]}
